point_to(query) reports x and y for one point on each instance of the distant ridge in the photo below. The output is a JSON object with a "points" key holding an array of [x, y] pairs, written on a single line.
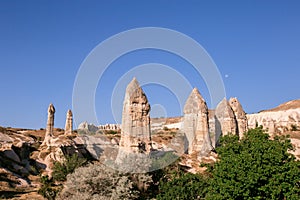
{"points": [[293, 104]]}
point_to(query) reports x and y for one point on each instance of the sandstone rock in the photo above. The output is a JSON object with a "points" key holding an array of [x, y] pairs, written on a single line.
{"points": [[179, 144], [96, 145], [225, 121], [240, 116], [5, 139], [212, 127], [135, 133], [195, 123], [279, 119], [50, 126], [86, 127], [296, 151], [69, 123], [114, 141]]}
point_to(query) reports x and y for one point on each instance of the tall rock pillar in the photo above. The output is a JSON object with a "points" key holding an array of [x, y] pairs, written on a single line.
{"points": [[69, 123], [135, 134], [50, 126], [225, 121], [195, 123], [240, 116]]}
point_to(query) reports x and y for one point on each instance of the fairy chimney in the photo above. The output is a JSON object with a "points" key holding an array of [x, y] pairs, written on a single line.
{"points": [[135, 134], [195, 123], [69, 123], [50, 125], [225, 121], [240, 116]]}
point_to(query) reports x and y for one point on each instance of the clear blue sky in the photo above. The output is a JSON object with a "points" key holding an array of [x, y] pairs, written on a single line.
{"points": [[255, 44]]}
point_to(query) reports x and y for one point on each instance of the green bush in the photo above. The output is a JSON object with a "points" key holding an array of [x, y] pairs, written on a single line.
{"points": [[97, 181], [61, 170], [47, 190], [111, 132]]}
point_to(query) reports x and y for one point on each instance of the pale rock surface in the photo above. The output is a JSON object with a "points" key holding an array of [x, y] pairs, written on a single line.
{"points": [[4, 139], [69, 123], [158, 124], [195, 123], [15, 154], [276, 121], [135, 133], [212, 127], [296, 144], [225, 121], [61, 146], [85, 126], [174, 125], [240, 116], [98, 146]]}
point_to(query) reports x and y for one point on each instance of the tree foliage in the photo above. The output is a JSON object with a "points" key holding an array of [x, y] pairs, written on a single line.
{"points": [[187, 186], [255, 167]]}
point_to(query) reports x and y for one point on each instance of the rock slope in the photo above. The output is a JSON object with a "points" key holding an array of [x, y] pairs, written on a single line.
{"points": [[283, 118]]}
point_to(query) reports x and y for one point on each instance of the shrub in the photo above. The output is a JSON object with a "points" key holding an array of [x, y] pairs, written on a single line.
{"points": [[111, 132], [165, 128], [47, 190], [294, 127], [96, 181], [61, 170]]}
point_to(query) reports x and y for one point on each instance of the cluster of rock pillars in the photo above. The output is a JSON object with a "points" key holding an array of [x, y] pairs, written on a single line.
{"points": [[202, 127]]}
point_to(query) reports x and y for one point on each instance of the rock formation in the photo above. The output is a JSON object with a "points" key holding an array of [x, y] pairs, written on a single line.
{"points": [[69, 123], [277, 120], [50, 126], [135, 133], [225, 121], [86, 127], [195, 123], [240, 116]]}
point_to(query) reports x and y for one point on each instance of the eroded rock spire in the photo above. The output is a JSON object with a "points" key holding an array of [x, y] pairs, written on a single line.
{"points": [[69, 123], [135, 132], [240, 116], [195, 123], [225, 121], [50, 125]]}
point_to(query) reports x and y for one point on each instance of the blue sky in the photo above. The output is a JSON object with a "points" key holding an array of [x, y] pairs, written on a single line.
{"points": [[255, 45]]}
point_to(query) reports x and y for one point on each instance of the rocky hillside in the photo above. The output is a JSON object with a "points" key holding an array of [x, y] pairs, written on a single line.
{"points": [[19, 166], [24, 156], [23, 159], [285, 117]]}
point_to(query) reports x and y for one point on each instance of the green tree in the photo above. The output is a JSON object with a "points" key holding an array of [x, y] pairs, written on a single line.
{"points": [[256, 167], [186, 187]]}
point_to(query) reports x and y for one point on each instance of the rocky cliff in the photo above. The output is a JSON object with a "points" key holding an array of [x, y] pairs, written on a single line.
{"points": [[281, 119]]}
